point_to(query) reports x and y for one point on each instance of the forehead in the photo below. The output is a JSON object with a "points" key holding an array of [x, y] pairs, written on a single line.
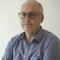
{"points": [[28, 7]]}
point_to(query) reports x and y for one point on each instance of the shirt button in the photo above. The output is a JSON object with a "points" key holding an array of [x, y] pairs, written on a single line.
{"points": [[24, 56]]}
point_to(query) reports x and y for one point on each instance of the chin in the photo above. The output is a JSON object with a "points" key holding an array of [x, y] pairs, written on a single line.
{"points": [[28, 30]]}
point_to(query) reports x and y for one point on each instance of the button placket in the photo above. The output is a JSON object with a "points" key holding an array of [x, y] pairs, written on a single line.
{"points": [[26, 51]]}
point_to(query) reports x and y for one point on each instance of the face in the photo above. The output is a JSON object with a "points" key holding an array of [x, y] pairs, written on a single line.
{"points": [[30, 17]]}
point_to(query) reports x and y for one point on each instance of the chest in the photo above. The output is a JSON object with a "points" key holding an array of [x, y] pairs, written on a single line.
{"points": [[25, 51]]}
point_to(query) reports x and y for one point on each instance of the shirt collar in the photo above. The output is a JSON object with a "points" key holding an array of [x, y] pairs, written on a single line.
{"points": [[22, 35], [38, 37]]}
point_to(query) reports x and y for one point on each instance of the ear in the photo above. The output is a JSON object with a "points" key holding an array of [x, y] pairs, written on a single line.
{"points": [[41, 18]]}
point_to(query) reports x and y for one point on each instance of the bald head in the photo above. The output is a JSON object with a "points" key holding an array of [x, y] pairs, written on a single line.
{"points": [[34, 2]]}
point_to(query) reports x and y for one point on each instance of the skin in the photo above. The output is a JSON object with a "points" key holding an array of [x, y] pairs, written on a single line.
{"points": [[31, 26]]}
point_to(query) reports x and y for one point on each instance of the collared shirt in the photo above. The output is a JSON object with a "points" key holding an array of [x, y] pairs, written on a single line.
{"points": [[45, 46]]}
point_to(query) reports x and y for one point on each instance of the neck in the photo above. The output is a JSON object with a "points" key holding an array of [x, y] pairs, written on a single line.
{"points": [[30, 36]]}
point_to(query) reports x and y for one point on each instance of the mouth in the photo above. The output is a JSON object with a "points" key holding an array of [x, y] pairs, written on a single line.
{"points": [[26, 24]]}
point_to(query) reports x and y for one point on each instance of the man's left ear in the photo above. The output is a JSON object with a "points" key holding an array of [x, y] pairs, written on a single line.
{"points": [[42, 17]]}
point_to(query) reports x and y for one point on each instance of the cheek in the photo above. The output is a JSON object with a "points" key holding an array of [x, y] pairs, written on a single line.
{"points": [[35, 25], [37, 22]]}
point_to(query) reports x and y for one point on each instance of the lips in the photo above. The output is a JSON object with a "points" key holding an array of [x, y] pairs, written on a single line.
{"points": [[26, 24]]}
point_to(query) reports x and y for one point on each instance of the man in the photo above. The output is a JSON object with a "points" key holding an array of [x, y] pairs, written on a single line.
{"points": [[34, 43]]}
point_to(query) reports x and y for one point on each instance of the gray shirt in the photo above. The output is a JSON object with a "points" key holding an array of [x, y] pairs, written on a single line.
{"points": [[45, 46]]}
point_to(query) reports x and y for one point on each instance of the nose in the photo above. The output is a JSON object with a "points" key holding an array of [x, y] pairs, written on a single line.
{"points": [[27, 18]]}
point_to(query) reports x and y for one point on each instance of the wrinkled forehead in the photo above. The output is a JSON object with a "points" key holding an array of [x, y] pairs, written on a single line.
{"points": [[30, 6]]}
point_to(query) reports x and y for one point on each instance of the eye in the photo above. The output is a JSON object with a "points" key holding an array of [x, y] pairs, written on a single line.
{"points": [[32, 14], [22, 15]]}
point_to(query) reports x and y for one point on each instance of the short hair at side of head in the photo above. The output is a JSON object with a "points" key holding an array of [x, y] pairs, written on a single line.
{"points": [[35, 1]]}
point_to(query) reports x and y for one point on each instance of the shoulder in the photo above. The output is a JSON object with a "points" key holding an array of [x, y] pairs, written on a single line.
{"points": [[51, 45], [50, 39], [15, 39], [49, 35]]}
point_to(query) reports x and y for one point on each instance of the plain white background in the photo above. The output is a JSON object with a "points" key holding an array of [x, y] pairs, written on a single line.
{"points": [[10, 24]]}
